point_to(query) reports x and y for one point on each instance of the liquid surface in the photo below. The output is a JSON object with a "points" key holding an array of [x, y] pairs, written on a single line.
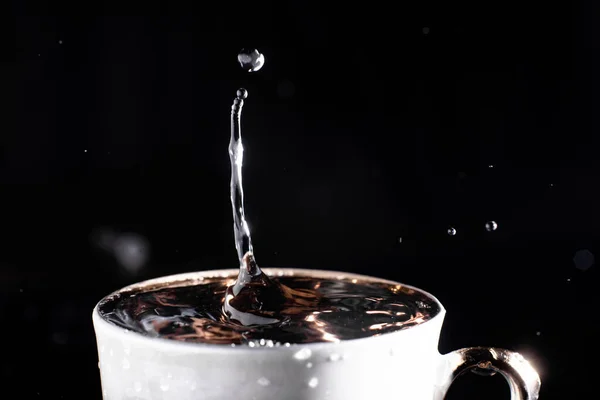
{"points": [[343, 310]]}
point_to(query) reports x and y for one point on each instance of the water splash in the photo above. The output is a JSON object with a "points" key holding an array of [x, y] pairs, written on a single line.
{"points": [[254, 299], [243, 242]]}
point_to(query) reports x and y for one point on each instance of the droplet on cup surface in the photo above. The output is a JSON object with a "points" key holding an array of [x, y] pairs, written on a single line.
{"points": [[251, 60], [164, 385], [263, 381], [491, 226], [137, 386], [309, 365], [303, 354], [451, 231]]}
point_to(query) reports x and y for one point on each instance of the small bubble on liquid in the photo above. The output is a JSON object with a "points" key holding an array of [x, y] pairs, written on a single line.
{"points": [[313, 382], [451, 231], [286, 344], [491, 226], [303, 354], [137, 386], [309, 365], [334, 357], [251, 344], [262, 342], [263, 381], [232, 344], [251, 60]]}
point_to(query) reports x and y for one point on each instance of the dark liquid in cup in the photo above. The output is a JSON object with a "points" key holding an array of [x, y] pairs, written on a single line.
{"points": [[339, 309], [256, 309]]}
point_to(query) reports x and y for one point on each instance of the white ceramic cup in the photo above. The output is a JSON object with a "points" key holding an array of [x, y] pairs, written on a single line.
{"points": [[400, 365]]}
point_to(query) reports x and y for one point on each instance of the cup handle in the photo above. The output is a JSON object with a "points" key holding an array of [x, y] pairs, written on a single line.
{"points": [[522, 378]]}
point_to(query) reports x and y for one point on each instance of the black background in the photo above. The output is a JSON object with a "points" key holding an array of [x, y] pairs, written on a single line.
{"points": [[362, 128]]}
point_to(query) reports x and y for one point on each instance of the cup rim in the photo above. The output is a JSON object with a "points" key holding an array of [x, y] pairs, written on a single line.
{"points": [[188, 278]]}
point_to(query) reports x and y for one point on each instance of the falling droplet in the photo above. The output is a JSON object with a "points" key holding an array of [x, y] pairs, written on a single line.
{"points": [[399, 240], [263, 381], [313, 382], [491, 166], [451, 231], [426, 30], [251, 60], [491, 226], [60, 42], [303, 354], [538, 333]]}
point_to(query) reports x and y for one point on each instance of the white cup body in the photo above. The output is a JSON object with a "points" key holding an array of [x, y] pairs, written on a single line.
{"points": [[398, 365]]}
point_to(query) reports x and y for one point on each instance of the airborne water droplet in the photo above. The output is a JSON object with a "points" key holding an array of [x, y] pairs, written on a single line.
{"points": [[251, 60], [491, 226], [451, 231]]}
